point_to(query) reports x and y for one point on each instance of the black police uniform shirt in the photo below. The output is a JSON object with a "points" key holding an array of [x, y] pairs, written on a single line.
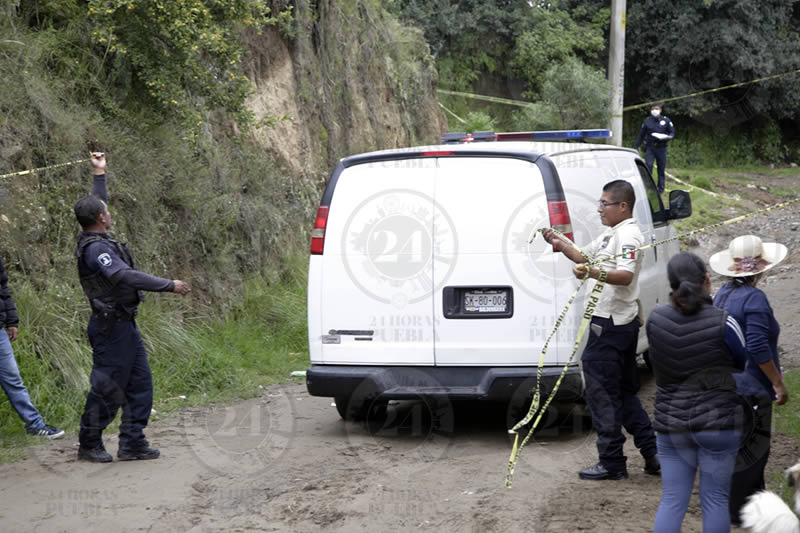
{"points": [[103, 256], [651, 124]]}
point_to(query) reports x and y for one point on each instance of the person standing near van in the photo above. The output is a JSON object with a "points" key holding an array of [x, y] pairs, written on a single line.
{"points": [[609, 360], [745, 261], [657, 130], [120, 372], [696, 350]]}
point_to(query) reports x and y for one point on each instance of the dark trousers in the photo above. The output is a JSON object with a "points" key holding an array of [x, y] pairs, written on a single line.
{"points": [[120, 378], [659, 154], [748, 475], [612, 381]]}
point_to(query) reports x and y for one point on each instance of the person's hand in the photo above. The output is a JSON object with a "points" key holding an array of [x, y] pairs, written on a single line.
{"points": [[782, 393], [579, 270], [181, 287], [99, 162], [12, 333], [551, 238]]}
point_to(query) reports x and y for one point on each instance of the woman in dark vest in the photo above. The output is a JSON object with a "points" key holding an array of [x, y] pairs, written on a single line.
{"points": [[695, 348], [745, 262]]}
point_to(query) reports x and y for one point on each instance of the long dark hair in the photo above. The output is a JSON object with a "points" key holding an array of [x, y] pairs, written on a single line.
{"points": [[687, 274]]}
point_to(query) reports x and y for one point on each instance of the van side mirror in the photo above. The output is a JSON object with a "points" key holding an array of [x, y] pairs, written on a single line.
{"points": [[680, 205]]}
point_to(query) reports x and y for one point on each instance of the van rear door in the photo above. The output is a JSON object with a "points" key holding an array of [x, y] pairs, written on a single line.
{"points": [[375, 285], [492, 296]]}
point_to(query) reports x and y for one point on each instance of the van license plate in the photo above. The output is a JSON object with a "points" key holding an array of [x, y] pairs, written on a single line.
{"points": [[486, 301]]}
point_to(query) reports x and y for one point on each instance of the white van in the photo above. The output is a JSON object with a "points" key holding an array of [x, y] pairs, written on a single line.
{"points": [[422, 282]]}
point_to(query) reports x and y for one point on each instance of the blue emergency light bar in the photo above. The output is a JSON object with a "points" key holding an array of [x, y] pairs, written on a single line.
{"points": [[556, 135]]}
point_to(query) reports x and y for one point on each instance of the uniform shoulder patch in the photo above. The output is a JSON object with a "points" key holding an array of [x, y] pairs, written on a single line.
{"points": [[628, 251], [104, 259]]}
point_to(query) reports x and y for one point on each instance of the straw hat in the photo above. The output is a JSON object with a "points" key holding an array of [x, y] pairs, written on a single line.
{"points": [[747, 256]]}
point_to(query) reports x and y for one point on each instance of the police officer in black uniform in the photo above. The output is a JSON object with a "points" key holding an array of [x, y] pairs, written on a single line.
{"points": [[657, 130], [120, 373]]}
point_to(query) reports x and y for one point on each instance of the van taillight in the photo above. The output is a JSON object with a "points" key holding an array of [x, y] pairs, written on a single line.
{"points": [[559, 218], [318, 233]]}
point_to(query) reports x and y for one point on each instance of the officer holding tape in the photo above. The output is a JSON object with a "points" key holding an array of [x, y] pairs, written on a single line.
{"points": [[609, 360], [657, 130], [120, 373]]}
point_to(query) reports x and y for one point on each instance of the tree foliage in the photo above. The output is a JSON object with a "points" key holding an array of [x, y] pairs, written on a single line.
{"points": [[504, 46], [470, 38], [553, 36], [573, 95], [186, 52], [682, 47]]}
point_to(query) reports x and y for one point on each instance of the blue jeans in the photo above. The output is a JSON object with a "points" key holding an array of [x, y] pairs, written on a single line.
{"points": [[12, 384], [681, 455]]}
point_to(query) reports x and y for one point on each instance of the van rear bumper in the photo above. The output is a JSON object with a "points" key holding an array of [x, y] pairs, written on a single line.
{"points": [[407, 382]]}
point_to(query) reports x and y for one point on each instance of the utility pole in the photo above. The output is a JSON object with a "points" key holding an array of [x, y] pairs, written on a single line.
{"points": [[616, 67]]}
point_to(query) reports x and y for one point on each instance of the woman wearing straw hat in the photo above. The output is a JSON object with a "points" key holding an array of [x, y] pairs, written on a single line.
{"points": [[745, 262]]}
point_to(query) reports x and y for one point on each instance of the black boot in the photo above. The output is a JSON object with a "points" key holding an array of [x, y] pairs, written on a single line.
{"points": [[133, 454], [98, 454]]}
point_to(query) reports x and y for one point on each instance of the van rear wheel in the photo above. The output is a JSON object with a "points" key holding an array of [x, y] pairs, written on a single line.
{"points": [[357, 408], [342, 406]]}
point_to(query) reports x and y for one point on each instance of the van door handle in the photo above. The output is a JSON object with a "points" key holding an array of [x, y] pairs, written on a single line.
{"points": [[655, 248]]}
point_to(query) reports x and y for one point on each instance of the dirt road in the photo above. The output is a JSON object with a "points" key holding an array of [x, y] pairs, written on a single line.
{"points": [[285, 462]]}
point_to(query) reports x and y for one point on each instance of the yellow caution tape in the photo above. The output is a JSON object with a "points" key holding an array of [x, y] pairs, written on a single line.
{"points": [[700, 93], [42, 169], [452, 113], [495, 99], [691, 188], [522, 103], [516, 449]]}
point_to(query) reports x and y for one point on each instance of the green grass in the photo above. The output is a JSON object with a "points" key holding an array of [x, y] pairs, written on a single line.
{"points": [[786, 422], [776, 482], [706, 208], [786, 418]]}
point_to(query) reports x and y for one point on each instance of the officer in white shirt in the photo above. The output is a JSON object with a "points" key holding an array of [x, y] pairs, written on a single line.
{"points": [[609, 360]]}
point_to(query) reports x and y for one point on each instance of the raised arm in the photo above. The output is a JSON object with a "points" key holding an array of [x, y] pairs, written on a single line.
{"points": [[99, 170]]}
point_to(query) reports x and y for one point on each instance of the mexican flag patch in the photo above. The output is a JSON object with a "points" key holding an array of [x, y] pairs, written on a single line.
{"points": [[629, 252]]}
